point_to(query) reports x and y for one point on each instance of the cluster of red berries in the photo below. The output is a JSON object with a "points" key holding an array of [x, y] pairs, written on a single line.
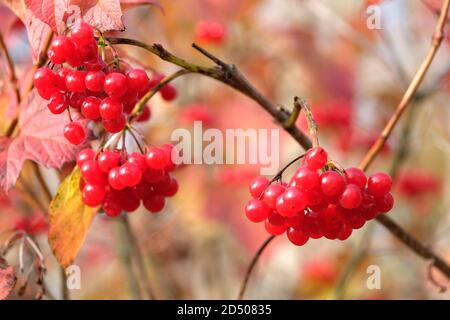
{"points": [[120, 181], [319, 201], [99, 92]]}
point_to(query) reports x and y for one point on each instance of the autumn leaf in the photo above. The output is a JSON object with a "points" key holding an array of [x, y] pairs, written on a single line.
{"points": [[127, 4], [49, 11], [69, 220], [40, 139], [7, 279]]}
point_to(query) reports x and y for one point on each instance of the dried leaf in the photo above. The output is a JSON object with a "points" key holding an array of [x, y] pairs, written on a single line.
{"points": [[69, 220], [7, 279]]}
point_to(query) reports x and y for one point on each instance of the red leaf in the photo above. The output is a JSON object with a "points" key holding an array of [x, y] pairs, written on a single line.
{"points": [[41, 140], [49, 11], [7, 279], [38, 33], [126, 4], [103, 14]]}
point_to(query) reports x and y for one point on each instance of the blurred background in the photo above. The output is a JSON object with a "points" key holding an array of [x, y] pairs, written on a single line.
{"points": [[200, 246]]}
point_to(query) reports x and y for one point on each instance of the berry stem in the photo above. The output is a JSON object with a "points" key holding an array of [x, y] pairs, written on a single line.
{"points": [[135, 139], [252, 265], [12, 69]]}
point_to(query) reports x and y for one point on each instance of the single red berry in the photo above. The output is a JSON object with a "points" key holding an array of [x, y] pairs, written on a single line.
{"points": [[138, 160], [90, 108], [312, 225], [137, 79], [61, 75], [84, 155], [379, 184], [58, 103], [257, 186], [385, 203], [294, 201], [171, 189], [89, 53], [129, 200], [297, 235], [115, 84], [356, 176], [75, 59], [94, 80], [76, 100], [351, 197], [154, 203], [271, 194], [91, 172], [75, 81], [257, 210], [62, 47], [306, 179], [82, 33], [275, 224], [93, 194], [114, 179], [157, 158], [112, 207], [130, 174], [145, 115], [345, 233], [45, 82], [168, 92], [108, 160], [110, 108], [316, 158], [74, 132], [115, 125], [54, 58], [331, 183]]}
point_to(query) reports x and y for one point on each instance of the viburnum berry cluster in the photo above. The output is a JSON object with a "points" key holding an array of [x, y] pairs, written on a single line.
{"points": [[121, 181], [321, 200], [80, 81]]}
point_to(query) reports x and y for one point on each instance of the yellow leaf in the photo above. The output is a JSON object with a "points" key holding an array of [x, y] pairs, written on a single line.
{"points": [[69, 220]]}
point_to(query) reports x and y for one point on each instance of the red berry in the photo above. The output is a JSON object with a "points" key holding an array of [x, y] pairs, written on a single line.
{"points": [[84, 155], [331, 183], [93, 194], [172, 188], [115, 84], [82, 33], [306, 179], [130, 175], [137, 79], [61, 75], [62, 47], [75, 133], [115, 125], [138, 160], [294, 201], [114, 179], [76, 100], [58, 103], [89, 53], [272, 193], [112, 205], [168, 92], [45, 82], [145, 114], [91, 172], [356, 176], [94, 80], [153, 175], [75, 81], [154, 203], [108, 160], [297, 236], [110, 108], [275, 224], [157, 158], [312, 225], [345, 232], [257, 210], [379, 184], [90, 108], [351, 197], [257, 186], [55, 59], [385, 203], [316, 158]]}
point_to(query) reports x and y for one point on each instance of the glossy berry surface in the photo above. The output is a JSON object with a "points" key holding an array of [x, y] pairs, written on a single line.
{"points": [[75, 133]]}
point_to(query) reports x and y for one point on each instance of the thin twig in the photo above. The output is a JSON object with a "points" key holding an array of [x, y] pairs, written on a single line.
{"points": [[12, 69], [252, 266], [412, 89]]}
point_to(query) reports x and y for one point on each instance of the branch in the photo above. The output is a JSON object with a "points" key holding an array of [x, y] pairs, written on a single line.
{"points": [[12, 69], [231, 76], [252, 266], [412, 89]]}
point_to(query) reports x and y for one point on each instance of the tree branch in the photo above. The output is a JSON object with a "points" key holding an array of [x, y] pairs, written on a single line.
{"points": [[231, 76]]}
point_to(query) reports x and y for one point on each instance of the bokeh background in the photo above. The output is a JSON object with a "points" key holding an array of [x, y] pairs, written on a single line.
{"points": [[353, 77]]}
